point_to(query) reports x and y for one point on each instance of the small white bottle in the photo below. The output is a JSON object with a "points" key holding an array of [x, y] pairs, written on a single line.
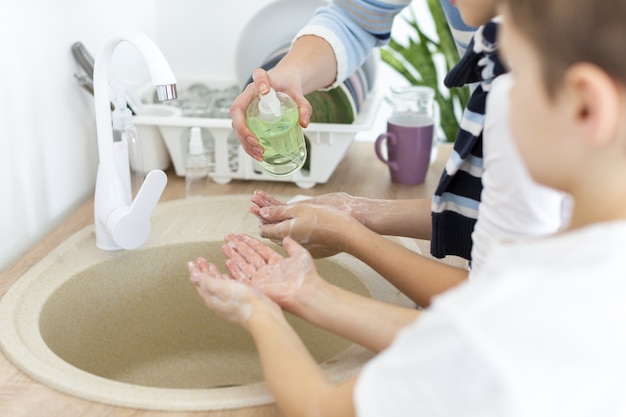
{"points": [[197, 165], [126, 144]]}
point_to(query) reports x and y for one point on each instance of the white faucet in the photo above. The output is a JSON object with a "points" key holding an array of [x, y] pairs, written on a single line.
{"points": [[120, 223]]}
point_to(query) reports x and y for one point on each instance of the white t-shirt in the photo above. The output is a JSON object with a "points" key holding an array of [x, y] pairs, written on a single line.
{"points": [[541, 333], [512, 204]]}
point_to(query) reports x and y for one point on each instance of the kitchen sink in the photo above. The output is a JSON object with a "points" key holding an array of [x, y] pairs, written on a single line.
{"points": [[128, 328]]}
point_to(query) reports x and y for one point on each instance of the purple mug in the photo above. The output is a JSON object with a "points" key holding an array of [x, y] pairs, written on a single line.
{"points": [[409, 141]]}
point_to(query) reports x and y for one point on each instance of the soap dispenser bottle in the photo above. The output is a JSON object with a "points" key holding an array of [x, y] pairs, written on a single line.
{"points": [[126, 142], [275, 120], [197, 165]]}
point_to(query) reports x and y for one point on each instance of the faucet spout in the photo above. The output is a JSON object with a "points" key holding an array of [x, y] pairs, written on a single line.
{"points": [[119, 222], [166, 92]]}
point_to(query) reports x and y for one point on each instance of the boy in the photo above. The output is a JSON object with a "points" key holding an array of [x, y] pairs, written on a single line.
{"points": [[542, 333]]}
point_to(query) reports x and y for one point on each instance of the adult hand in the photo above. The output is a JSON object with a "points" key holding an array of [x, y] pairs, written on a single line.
{"points": [[278, 277], [227, 297], [284, 81]]}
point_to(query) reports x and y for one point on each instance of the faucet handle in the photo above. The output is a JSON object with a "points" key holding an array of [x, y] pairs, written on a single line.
{"points": [[130, 225]]}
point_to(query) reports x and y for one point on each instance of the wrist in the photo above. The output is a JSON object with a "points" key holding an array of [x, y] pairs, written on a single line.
{"points": [[306, 301], [349, 234], [377, 215], [360, 208], [262, 311]]}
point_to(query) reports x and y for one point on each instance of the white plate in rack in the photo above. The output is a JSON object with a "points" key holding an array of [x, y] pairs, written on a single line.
{"points": [[270, 28]]}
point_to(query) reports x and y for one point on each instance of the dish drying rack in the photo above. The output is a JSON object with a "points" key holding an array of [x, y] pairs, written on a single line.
{"points": [[327, 145]]}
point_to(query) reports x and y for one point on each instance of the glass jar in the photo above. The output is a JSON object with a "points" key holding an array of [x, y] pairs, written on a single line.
{"points": [[420, 100], [413, 99]]}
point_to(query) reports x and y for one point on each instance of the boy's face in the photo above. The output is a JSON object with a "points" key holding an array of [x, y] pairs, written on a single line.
{"points": [[476, 12], [536, 118]]}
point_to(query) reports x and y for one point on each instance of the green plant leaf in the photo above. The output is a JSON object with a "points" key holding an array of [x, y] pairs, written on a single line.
{"points": [[415, 62]]}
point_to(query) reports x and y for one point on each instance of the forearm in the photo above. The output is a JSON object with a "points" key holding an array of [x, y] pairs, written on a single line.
{"points": [[418, 277], [410, 218], [313, 59], [352, 316], [298, 384]]}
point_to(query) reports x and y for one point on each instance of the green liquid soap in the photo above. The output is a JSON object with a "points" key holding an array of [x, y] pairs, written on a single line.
{"points": [[281, 136]]}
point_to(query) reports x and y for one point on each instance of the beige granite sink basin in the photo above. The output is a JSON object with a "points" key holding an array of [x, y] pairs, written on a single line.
{"points": [[127, 328]]}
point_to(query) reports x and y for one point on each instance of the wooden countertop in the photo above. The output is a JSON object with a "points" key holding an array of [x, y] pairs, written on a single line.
{"points": [[360, 173]]}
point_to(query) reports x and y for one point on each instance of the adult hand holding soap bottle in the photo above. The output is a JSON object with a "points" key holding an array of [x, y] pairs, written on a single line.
{"points": [[274, 119]]}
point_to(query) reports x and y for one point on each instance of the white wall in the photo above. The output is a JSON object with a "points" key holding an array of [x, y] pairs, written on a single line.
{"points": [[203, 39], [47, 131], [48, 152]]}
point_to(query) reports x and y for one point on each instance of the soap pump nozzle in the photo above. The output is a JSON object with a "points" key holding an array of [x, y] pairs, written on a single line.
{"points": [[122, 116], [126, 141], [196, 146], [269, 106]]}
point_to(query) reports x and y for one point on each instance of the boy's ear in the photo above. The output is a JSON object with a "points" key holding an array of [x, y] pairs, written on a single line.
{"points": [[596, 102]]}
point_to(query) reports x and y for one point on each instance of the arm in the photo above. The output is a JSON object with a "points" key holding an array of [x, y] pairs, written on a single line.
{"points": [[296, 286], [326, 51], [368, 322], [410, 218], [418, 277], [285, 359]]}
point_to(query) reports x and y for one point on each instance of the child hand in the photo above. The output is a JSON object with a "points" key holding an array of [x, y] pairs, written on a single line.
{"points": [[280, 278], [357, 207], [323, 230], [230, 299], [262, 199]]}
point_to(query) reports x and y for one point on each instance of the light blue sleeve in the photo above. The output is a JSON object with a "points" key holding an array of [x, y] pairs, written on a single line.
{"points": [[354, 28], [461, 32]]}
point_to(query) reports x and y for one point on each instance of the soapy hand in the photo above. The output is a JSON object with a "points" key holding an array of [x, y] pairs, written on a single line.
{"points": [[280, 278], [285, 82], [316, 223], [262, 199], [227, 297], [360, 208]]}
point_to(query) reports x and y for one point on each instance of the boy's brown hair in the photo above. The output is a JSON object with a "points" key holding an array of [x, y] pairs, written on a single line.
{"points": [[566, 32]]}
